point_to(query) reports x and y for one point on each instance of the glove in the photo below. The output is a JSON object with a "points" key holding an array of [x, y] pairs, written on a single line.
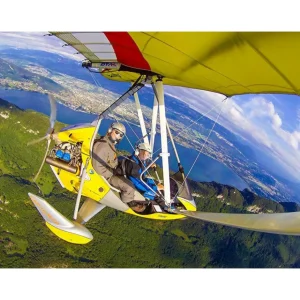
{"points": [[160, 187]]}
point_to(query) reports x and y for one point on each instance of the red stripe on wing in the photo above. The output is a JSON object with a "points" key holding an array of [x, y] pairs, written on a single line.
{"points": [[126, 50]]}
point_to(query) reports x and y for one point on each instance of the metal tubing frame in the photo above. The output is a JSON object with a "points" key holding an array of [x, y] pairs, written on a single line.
{"points": [[80, 188], [173, 144], [159, 91], [141, 118], [134, 88], [83, 174], [154, 119], [145, 170]]}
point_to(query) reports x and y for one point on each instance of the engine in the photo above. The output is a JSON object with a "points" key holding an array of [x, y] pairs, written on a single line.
{"points": [[66, 156]]}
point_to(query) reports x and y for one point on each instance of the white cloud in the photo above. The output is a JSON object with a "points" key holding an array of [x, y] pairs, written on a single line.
{"points": [[255, 118], [37, 41], [235, 114], [296, 134], [276, 120], [266, 127], [290, 138], [258, 107]]}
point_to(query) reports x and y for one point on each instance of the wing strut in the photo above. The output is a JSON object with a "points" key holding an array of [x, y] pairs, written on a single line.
{"points": [[180, 167], [159, 93], [141, 118], [82, 179], [154, 119], [131, 91]]}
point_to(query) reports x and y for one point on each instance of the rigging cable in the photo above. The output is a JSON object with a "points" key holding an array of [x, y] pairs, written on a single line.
{"points": [[202, 116], [116, 119], [203, 145]]}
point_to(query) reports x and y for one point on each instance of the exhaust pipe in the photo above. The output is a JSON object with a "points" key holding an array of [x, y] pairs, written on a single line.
{"points": [[61, 165]]}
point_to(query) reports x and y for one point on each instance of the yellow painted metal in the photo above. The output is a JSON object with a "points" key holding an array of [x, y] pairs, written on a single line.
{"points": [[68, 236], [157, 216], [187, 204], [78, 134], [166, 216], [94, 187]]}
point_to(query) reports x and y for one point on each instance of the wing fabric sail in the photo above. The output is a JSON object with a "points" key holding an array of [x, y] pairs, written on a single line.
{"points": [[279, 223], [229, 63]]}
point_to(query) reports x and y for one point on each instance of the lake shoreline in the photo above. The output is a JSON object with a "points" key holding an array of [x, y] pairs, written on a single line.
{"points": [[211, 169]]}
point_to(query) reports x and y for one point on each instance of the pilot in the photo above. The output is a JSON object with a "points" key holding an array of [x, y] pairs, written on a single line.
{"points": [[104, 161]]}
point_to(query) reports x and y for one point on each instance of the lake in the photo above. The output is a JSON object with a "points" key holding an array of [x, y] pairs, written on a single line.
{"points": [[205, 169]]}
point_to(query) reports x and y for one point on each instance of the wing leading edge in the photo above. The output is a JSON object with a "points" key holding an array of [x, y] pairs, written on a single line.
{"points": [[229, 63], [279, 223]]}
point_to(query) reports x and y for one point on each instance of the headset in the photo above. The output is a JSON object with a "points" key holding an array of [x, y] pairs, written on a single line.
{"points": [[137, 151], [110, 129], [114, 126]]}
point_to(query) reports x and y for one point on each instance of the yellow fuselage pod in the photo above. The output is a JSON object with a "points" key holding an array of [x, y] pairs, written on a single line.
{"points": [[189, 205], [95, 187]]}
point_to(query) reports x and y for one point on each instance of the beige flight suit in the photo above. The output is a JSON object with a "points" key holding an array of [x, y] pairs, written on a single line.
{"points": [[104, 160]]}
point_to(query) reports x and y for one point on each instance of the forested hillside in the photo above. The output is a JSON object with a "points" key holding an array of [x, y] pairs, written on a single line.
{"points": [[121, 240]]}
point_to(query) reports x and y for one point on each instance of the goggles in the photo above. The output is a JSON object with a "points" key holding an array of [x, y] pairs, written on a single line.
{"points": [[119, 133]]}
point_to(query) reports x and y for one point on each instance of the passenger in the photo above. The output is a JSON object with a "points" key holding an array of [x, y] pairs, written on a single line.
{"points": [[104, 161], [134, 165]]}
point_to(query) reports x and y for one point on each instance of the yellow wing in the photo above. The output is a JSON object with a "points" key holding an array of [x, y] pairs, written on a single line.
{"points": [[229, 63]]}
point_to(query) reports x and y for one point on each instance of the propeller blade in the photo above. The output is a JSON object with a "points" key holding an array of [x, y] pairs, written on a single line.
{"points": [[52, 121], [279, 223], [53, 111], [38, 173], [37, 141]]}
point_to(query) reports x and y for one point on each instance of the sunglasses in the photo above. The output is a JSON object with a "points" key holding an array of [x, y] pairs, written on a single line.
{"points": [[121, 134]]}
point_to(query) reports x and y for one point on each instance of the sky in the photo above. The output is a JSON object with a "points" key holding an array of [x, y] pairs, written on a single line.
{"points": [[270, 123]]}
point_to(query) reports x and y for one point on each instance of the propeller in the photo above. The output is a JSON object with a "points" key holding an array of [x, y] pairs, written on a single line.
{"points": [[48, 134], [279, 223], [52, 121]]}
